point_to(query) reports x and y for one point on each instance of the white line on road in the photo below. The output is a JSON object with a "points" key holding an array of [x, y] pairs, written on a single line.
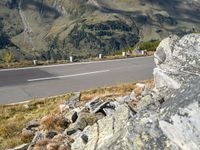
{"points": [[67, 76]]}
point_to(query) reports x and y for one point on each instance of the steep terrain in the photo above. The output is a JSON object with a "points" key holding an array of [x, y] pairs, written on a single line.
{"points": [[55, 29]]}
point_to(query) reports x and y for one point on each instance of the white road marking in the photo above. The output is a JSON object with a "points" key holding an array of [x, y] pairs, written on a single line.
{"points": [[71, 64], [67, 76]]}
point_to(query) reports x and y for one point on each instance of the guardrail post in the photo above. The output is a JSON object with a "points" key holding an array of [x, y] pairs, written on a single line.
{"points": [[123, 54], [34, 62], [100, 56], [71, 59]]}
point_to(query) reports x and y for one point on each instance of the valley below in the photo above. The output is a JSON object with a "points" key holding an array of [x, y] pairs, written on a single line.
{"points": [[57, 29]]}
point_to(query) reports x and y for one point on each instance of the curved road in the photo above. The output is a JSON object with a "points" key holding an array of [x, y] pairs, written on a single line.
{"points": [[17, 85]]}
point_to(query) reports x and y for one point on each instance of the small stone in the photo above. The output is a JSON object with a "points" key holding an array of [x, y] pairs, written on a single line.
{"points": [[84, 138], [93, 104], [114, 104], [85, 119], [133, 95], [70, 131], [76, 134], [124, 99], [74, 117], [32, 124], [26, 106], [21, 147], [51, 134], [99, 115], [100, 107], [73, 100], [72, 114]]}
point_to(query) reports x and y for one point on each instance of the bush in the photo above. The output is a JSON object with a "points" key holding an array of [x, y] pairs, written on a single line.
{"points": [[8, 58], [149, 46]]}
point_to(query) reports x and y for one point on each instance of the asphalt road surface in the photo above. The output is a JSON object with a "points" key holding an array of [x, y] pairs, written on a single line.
{"points": [[17, 85]]}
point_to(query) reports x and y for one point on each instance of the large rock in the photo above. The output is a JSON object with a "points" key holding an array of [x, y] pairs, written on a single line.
{"points": [[174, 123], [177, 60], [102, 131]]}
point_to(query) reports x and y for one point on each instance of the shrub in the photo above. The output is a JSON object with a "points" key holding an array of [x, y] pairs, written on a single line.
{"points": [[8, 58], [149, 46]]}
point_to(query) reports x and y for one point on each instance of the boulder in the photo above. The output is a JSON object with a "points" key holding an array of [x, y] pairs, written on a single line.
{"points": [[72, 115], [175, 125], [84, 119], [168, 119], [96, 105], [96, 135], [177, 60], [93, 104], [88, 139]]}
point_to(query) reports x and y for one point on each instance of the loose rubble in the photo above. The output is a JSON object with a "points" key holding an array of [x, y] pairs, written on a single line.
{"points": [[166, 116]]}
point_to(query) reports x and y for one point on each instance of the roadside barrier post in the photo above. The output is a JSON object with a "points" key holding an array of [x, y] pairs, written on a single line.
{"points": [[100, 56], [71, 59], [123, 54], [34, 62]]}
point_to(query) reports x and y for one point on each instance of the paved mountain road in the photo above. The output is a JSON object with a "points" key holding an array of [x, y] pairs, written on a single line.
{"points": [[17, 85]]}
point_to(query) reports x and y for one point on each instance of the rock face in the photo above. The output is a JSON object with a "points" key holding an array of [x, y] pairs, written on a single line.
{"points": [[177, 60], [167, 121]]}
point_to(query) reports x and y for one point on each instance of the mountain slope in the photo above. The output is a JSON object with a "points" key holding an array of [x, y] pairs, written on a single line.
{"points": [[55, 29]]}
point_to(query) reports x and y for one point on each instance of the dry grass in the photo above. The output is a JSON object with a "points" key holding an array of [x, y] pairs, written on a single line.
{"points": [[14, 118], [54, 123], [113, 91]]}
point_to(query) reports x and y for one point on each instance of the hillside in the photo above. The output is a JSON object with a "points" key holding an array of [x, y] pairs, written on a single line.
{"points": [[55, 29]]}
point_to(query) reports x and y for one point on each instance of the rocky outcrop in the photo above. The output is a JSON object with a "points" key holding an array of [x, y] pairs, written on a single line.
{"points": [[168, 121], [177, 60]]}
